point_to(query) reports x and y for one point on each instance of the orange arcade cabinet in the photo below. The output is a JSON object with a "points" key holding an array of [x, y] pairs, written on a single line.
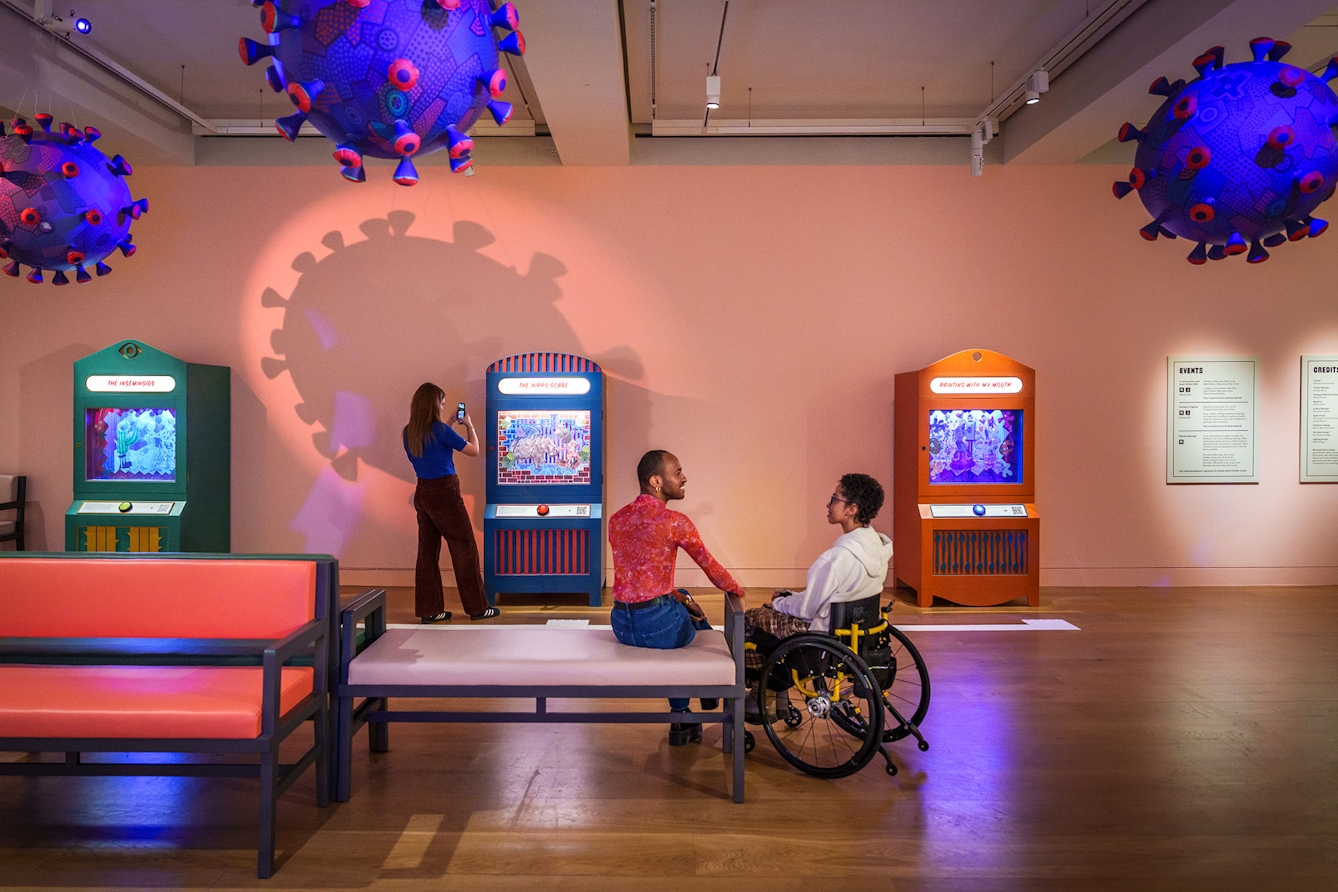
{"points": [[964, 523]]}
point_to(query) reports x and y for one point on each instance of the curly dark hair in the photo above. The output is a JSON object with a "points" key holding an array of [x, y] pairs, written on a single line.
{"points": [[866, 493], [651, 463]]}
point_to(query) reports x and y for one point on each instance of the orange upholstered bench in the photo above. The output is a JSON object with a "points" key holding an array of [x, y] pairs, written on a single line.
{"points": [[171, 653]]}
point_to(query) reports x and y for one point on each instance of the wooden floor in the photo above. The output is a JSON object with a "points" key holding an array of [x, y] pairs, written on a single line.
{"points": [[1182, 739]]}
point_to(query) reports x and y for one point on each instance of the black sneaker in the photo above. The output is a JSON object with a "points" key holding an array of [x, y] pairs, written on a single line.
{"points": [[435, 618], [489, 613], [680, 734]]}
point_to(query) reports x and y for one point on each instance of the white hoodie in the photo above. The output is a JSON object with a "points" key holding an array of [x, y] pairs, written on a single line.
{"points": [[855, 567]]}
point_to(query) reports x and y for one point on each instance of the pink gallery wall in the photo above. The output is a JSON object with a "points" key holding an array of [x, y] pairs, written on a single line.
{"points": [[751, 319]]}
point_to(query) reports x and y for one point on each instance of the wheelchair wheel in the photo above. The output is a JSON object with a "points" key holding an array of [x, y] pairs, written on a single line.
{"points": [[907, 691], [834, 704]]}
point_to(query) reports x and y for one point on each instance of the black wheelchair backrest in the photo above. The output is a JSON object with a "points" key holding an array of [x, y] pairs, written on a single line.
{"points": [[865, 611]]}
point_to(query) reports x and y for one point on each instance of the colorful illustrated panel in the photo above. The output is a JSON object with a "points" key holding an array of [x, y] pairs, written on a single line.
{"points": [[975, 446], [543, 447], [131, 444]]}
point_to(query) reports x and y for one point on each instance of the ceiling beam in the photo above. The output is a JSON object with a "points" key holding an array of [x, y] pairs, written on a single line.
{"points": [[574, 57], [1108, 85], [40, 72]]}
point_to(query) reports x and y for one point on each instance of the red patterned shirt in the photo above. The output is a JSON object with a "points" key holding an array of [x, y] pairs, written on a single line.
{"points": [[645, 536]]}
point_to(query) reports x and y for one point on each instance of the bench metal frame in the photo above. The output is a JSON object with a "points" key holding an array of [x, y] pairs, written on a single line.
{"points": [[375, 712], [311, 640]]}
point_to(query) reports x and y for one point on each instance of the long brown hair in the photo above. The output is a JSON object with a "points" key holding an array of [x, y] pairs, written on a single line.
{"points": [[424, 411]]}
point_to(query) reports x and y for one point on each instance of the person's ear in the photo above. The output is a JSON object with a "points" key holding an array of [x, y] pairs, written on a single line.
{"points": [[656, 481]]}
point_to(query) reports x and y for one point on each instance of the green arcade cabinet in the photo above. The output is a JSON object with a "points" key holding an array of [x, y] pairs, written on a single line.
{"points": [[152, 453]]}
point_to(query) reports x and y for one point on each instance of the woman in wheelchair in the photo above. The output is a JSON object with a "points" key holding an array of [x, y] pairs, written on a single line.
{"points": [[823, 664], [855, 567]]}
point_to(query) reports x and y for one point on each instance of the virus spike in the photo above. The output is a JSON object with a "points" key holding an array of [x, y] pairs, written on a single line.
{"points": [[93, 216], [272, 19], [406, 141], [103, 269], [121, 167], [1150, 231], [513, 43], [1199, 255], [501, 111], [1281, 136], [1160, 87], [81, 275], [303, 95], [494, 82], [127, 249], [1257, 253], [461, 164], [252, 52], [348, 156], [288, 126], [448, 5], [12, 269], [22, 130], [65, 128], [59, 278], [402, 75], [1317, 227], [73, 135], [74, 256], [30, 216], [69, 170], [460, 143], [1280, 49], [1216, 252], [1122, 188], [92, 134], [274, 77], [1166, 233], [1235, 244], [505, 17], [1129, 132], [44, 120], [1296, 230], [35, 276], [2, 130], [1211, 58], [1261, 46], [405, 174], [354, 174], [1275, 239], [1330, 72], [4, 249]]}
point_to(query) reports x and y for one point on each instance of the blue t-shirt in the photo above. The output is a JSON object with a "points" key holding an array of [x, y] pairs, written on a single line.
{"points": [[438, 458]]}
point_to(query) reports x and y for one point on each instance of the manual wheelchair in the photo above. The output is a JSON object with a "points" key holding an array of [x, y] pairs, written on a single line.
{"points": [[828, 702]]}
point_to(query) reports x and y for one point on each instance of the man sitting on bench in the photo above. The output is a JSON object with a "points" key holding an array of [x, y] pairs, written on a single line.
{"points": [[645, 537], [855, 567]]}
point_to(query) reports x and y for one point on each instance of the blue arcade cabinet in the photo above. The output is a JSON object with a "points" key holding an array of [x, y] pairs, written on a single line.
{"points": [[543, 527]]}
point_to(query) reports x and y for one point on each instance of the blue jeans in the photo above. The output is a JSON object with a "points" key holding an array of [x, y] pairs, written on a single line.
{"points": [[664, 627]]}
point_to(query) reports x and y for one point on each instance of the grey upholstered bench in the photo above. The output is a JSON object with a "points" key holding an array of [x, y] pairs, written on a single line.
{"points": [[529, 662]]}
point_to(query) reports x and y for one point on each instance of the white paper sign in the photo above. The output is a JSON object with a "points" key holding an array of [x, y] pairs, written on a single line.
{"points": [[543, 511], [544, 386], [1319, 419], [130, 383], [977, 510], [976, 384], [1212, 420]]}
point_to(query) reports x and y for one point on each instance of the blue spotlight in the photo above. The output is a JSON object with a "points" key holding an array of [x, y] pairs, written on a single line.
{"points": [[83, 26]]}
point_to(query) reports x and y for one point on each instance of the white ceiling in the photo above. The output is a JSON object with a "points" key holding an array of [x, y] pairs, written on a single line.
{"points": [[584, 90]]}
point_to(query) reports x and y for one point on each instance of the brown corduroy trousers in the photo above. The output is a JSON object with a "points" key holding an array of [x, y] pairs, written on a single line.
{"points": [[442, 515]]}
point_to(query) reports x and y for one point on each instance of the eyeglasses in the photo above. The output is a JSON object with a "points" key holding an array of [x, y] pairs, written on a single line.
{"points": [[836, 498]]}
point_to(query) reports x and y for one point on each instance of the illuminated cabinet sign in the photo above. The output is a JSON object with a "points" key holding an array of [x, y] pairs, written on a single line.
{"points": [[556, 386], [131, 384], [976, 384]]}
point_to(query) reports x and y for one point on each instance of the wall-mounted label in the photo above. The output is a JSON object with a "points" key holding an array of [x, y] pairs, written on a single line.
{"points": [[976, 384], [974, 511], [1212, 419], [130, 383], [1319, 419], [549, 511], [557, 386]]}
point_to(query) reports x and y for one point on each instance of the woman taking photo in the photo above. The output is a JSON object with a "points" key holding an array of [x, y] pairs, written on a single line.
{"points": [[431, 446]]}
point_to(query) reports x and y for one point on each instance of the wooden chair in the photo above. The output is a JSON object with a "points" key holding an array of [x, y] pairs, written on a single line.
{"points": [[14, 488]]}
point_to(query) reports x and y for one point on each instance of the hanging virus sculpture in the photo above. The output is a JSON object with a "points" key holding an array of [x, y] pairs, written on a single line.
{"points": [[1239, 158], [63, 205], [388, 78]]}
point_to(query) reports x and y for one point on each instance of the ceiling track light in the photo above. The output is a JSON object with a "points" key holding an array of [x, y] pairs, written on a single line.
{"points": [[713, 79], [713, 91], [1039, 83]]}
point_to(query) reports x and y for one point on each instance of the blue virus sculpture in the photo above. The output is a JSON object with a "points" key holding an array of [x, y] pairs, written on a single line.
{"points": [[63, 205], [1239, 158], [388, 78]]}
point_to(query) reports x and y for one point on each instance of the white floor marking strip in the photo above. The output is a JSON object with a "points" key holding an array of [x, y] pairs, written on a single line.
{"points": [[1027, 625]]}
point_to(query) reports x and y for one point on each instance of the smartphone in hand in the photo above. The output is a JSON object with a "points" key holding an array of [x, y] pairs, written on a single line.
{"points": [[460, 413]]}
